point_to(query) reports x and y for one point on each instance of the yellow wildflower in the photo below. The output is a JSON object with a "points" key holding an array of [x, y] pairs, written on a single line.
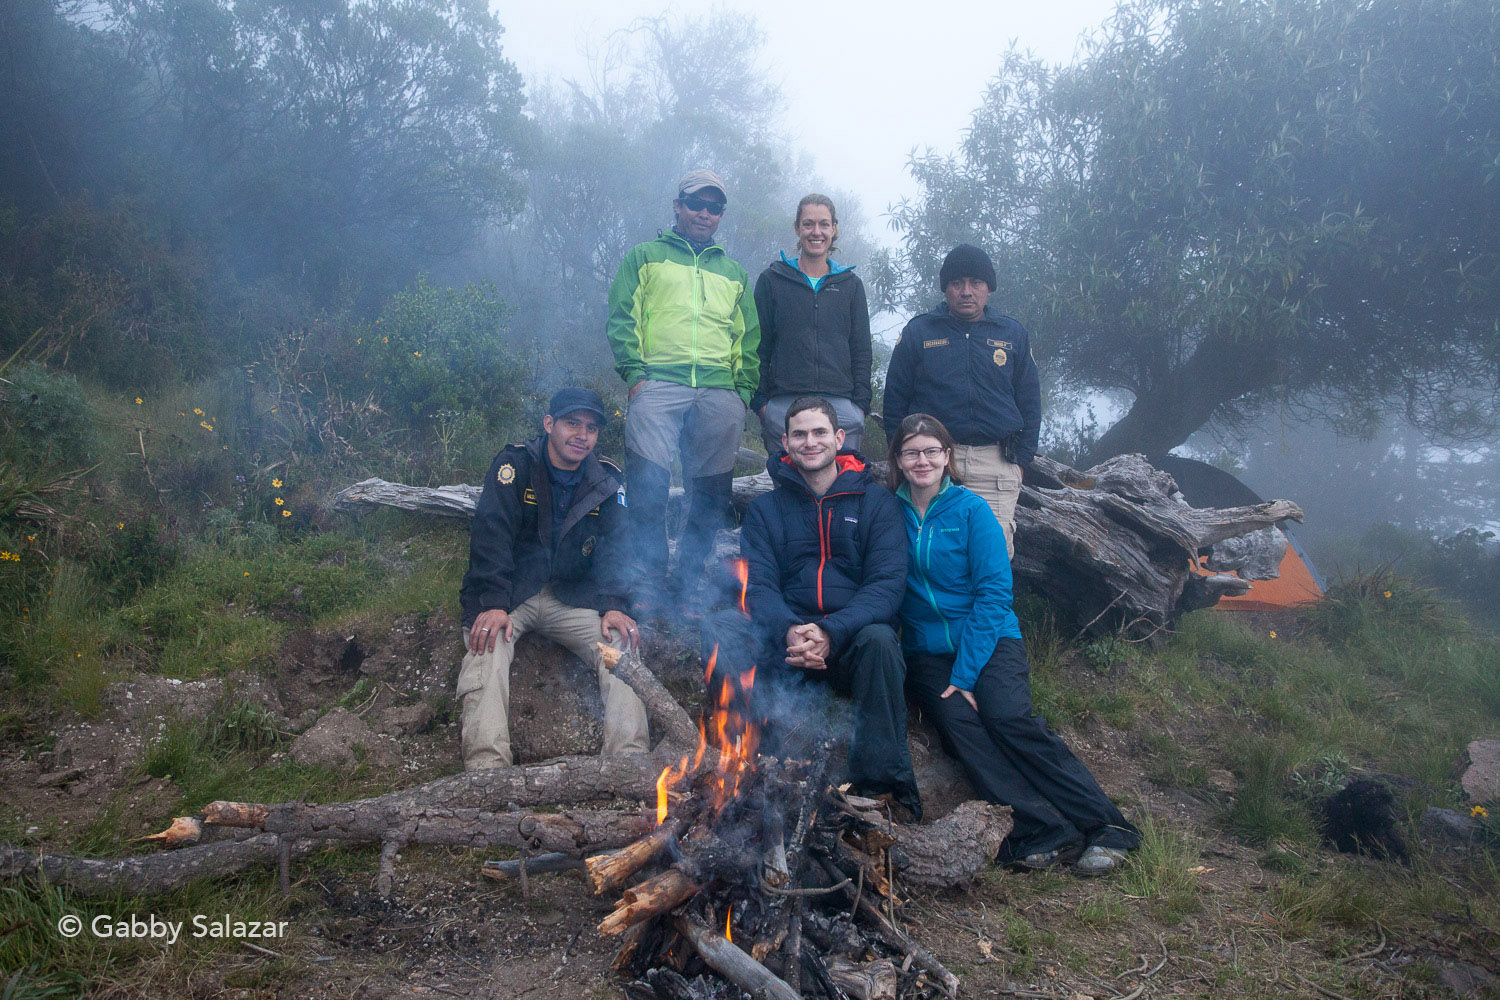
{"points": [[416, 354], [205, 425], [1273, 633], [286, 513], [137, 401], [276, 483], [1387, 593], [120, 525], [197, 412], [1479, 812], [385, 340], [279, 501], [247, 572]]}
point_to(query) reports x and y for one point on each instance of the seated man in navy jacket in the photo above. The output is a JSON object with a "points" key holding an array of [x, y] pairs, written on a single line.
{"points": [[545, 555], [827, 555]]}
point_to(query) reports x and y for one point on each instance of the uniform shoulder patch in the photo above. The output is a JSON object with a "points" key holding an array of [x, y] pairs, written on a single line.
{"points": [[506, 474]]}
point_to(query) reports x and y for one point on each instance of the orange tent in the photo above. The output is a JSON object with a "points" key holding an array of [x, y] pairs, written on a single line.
{"points": [[1203, 485]]}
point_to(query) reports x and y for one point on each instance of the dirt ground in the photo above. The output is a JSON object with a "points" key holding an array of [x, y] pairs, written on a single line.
{"points": [[446, 931]]}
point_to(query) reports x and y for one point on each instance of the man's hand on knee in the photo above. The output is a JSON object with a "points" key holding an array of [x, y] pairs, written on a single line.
{"points": [[622, 624], [488, 627]]}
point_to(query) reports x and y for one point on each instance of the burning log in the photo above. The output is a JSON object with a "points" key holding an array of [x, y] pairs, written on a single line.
{"points": [[610, 871], [726, 958], [651, 898]]}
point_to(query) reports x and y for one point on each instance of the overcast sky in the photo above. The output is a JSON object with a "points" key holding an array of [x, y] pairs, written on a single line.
{"points": [[865, 82]]}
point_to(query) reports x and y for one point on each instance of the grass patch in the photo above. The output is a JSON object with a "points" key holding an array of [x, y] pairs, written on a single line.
{"points": [[1159, 871]]}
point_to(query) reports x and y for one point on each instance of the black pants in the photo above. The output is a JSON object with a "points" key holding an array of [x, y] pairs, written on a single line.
{"points": [[871, 673], [1013, 758], [708, 510]]}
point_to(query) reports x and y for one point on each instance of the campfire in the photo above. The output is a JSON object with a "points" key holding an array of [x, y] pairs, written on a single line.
{"points": [[760, 871], [750, 871]]}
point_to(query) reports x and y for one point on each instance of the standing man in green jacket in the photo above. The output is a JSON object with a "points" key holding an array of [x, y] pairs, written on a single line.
{"points": [[684, 332]]}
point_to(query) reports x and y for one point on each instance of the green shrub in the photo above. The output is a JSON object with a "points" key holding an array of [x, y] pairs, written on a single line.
{"points": [[92, 288], [437, 349], [45, 420]]}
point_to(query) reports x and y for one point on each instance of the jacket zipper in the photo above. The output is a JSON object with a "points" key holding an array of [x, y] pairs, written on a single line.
{"points": [[825, 541], [924, 568]]}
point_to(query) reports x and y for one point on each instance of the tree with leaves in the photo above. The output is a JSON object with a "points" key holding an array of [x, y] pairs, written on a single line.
{"points": [[351, 142], [1225, 203]]}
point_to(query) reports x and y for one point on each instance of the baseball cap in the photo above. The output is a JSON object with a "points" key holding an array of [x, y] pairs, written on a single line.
{"points": [[574, 397], [696, 180]]}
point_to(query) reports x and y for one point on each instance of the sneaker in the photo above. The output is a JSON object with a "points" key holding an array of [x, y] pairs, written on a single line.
{"points": [[1099, 860]]}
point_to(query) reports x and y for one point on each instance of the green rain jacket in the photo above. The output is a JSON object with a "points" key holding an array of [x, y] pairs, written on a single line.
{"points": [[682, 317]]}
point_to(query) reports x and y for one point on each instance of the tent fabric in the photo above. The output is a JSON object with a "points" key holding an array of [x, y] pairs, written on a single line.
{"points": [[1203, 485]]}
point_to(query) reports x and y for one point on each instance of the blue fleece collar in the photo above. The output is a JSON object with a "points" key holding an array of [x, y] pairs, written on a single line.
{"points": [[834, 267]]}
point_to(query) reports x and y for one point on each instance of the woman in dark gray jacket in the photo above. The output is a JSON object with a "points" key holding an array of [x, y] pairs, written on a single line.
{"points": [[814, 330]]}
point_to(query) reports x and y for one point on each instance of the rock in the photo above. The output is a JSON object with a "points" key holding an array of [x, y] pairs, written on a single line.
{"points": [[1482, 778], [406, 720], [1468, 980], [333, 742], [1223, 781], [1445, 823], [1256, 556], [56, 779], [555, 707]]}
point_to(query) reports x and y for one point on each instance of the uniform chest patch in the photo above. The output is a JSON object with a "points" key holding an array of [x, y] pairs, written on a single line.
{"points": [[1000, 356], [1001, 343], [940, 342], [588, 546], [506, 475], [529, 496]]}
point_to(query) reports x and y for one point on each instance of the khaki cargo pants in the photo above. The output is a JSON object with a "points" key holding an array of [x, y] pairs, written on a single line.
{"points": [[984, 471], [484, 684]]}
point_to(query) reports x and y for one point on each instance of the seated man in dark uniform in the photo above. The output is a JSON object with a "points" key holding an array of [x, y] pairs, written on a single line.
{"points": [[547, 554]]}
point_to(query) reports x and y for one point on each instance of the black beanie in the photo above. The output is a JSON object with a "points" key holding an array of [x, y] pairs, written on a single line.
{"points": [[966, 261]]}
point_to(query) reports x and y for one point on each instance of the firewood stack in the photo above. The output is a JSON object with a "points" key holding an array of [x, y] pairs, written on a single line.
{"points": [[786, 889]]}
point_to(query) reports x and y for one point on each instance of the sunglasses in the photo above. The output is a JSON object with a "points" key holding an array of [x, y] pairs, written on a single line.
{"points": [[695, 204]]}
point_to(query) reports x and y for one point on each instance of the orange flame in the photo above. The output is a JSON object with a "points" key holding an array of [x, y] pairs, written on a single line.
{"points": [[728, 729], [742, 572], [728, 936]]}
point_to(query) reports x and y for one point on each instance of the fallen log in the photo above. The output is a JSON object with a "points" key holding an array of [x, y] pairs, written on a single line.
{"points": [[148, 874], [1111, 547]]}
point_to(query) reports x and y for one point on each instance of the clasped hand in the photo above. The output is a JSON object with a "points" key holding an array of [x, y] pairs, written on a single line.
{"points": [[808, 647]]}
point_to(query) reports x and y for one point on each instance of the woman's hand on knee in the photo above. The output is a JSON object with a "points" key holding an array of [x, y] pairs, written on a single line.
{"points": [[968, 695]]}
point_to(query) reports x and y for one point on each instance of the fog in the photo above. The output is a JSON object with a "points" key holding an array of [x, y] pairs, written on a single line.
{"points": [[1286, 261]]}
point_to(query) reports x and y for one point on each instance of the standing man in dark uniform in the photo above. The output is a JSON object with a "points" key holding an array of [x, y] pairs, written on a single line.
{"points": [[545, 555], [971, 367]]}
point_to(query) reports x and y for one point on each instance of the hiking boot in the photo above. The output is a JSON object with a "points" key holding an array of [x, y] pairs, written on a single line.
{"points": [[1037, 862], [1099, 860]]}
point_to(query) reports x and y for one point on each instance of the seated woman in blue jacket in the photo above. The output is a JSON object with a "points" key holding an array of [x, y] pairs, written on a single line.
{"points": [[966, 666]]}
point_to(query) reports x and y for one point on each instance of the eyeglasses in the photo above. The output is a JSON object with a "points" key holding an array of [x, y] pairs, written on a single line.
{"points": [[931, 454], [696, 204]]}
